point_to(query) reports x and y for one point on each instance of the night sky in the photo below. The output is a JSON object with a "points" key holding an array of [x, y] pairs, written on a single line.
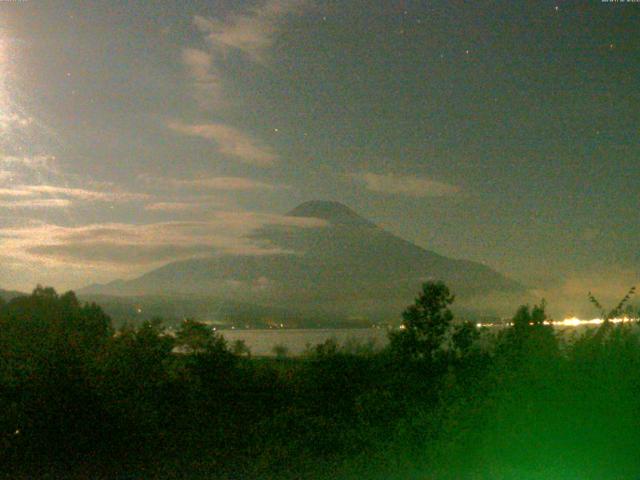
{"points": [[502, 132]]}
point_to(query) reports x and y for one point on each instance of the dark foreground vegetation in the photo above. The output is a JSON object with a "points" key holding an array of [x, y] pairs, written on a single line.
{"points": [[442, 401]]}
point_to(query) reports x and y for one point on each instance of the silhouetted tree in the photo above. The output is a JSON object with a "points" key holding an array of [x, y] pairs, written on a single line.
{"points": [[327, 348], [530, 338], [464, 336], [240, 348], [425, 323], [197, 337], [48, 347], [131, 376], [617, 311]]}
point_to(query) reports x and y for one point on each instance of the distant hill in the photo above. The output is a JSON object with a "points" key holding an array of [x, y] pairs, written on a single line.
{"points": [[349, 268], [9, 294]]}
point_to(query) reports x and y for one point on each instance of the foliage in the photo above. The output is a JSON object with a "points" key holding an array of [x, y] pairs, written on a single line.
{"points": [[465, 335], [82, 401], [240, 348], [616, 311], [197, 337], [424, 324]]}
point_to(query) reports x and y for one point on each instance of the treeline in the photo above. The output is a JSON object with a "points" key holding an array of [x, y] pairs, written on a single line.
{"points": [[443, 400]]}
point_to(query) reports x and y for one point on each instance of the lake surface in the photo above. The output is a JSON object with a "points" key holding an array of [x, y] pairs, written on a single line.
{"points": [[262, 342]]}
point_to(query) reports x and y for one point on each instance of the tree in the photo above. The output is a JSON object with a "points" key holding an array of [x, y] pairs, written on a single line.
{"points": [[526, 319], [616, 311], [530, 338], [206, 356], [424, 324], [49, 345], [463, 337], [239, 348], [198, 338]]}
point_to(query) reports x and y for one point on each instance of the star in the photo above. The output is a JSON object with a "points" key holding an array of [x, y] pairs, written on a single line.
{"points": [[556, 8]]}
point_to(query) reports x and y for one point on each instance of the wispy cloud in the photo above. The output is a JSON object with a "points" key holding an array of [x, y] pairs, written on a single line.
{"points": [[36, 182], [37, 203], [49, 192], [190, 195], [230, 141], [14, 193], [87, 195], [250, 33], [20, 168], [408, 185], [14, 120], [119, 245], [206, 184], [207, 80], [174, 206], [34, 162]]}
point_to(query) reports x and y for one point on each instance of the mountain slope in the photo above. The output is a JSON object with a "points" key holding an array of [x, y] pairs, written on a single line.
{"points": [[348, 267]]}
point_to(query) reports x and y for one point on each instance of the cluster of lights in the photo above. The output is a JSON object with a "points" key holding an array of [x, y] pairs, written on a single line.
{"points": [[567, 322], [576, 322]]}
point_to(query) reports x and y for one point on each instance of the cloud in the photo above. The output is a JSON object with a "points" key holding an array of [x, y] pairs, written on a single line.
{"points": [[14, 193], [204, 204], [408, 185], [51, 193], [21, 185], [19, 168], [14, 120], [227, 183], [195, 194], [87, 195], [121, 246], [36, 162], [173, 206], [250, 33], [207, 80], [35, 203], [208, 183], [120, 253], [230, 141]]}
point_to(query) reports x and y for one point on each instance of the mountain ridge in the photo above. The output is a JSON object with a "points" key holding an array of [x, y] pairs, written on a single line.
{"points": [[348, 266]]}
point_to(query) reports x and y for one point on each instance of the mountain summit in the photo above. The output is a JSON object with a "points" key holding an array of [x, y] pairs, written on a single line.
{"points": [[331, 211], [345, 268]]}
